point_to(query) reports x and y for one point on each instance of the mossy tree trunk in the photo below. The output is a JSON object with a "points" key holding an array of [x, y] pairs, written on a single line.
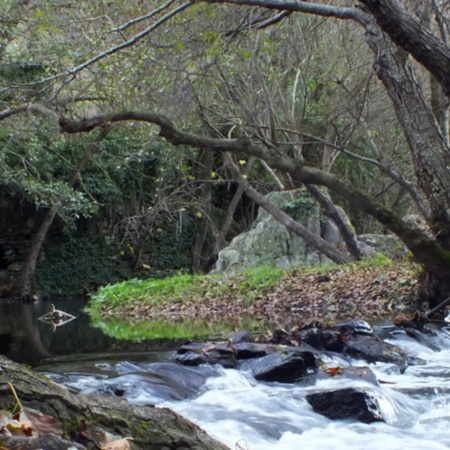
{"points": [[151, 428]]}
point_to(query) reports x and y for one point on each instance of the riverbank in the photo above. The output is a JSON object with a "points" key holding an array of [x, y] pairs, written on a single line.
{"points": [[374, 289]]}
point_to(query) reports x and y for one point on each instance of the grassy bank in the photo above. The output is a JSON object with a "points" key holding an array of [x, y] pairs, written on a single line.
{"points": [[372, 288]]}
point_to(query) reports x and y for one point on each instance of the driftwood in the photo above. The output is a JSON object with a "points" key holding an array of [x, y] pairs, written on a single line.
{"points": [[84, 417]]}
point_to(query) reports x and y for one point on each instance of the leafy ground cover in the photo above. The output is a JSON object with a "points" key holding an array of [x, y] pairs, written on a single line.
{"points": [[372, 289]]}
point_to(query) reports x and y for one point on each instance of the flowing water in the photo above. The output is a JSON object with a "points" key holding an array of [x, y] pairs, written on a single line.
{"points": [[245, 414]]}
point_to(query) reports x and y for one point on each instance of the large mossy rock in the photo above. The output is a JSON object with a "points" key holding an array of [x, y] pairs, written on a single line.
{"points": [[151, 428], [268, 242]]}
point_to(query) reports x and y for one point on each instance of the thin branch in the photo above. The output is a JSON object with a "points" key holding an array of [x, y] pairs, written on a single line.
{"points": [[298, 6], [142, 18], [273, 20]]}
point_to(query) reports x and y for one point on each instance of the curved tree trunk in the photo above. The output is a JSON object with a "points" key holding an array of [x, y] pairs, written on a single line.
{"points": [[85, 418]]}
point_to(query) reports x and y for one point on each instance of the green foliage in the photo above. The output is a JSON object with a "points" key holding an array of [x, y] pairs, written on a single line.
{"points": [[184, 288], [257, 281], [301, 206], [79, 264], [171, 249], [379, 259]]}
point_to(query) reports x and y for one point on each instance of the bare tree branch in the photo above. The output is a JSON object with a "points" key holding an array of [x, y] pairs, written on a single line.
{"points": [[142, 18], [298, 6]]}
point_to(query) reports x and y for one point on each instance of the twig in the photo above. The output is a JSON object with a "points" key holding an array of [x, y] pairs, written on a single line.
{"points": [[15, 396], [437, 308]]}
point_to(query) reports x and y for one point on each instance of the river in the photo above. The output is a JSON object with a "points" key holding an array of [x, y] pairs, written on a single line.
{"points": [[245, 414]]}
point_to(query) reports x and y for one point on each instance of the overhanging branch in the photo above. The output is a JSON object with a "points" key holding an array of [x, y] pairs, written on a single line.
{"points": [[425, 249]]}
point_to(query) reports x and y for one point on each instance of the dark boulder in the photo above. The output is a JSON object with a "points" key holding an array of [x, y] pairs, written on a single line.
{"points": [[248, 350], [308, 354], [346, 404], [282, 367], [322, 339], [356, 326]]}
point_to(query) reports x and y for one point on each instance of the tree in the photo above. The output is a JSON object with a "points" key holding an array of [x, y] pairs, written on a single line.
{"points": [[404, 50]]}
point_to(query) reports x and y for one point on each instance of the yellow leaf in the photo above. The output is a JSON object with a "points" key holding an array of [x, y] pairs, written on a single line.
{"points": [[199, 214], [213, 174], [242, 162]]}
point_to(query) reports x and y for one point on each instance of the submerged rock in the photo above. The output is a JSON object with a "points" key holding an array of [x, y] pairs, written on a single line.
{"points": [[202, 353], [346, 404]]}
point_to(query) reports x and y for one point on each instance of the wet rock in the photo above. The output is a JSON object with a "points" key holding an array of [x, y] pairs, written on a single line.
{"points": [[246, 350], [322, 339], [355, 327], [284, 368], [372, 349], [195, 347], [346, 404], [308, 354], [241, 337], [350, 373], [196, 354]]}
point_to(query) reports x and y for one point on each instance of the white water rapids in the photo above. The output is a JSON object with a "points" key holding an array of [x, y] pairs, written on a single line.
{"points": [[246, 414]]}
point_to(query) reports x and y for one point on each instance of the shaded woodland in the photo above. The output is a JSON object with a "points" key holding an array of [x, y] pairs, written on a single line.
{"points": [[162, 126]]}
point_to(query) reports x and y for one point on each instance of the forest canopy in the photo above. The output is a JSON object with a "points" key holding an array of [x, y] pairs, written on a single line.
{"points": [[347, 101]]}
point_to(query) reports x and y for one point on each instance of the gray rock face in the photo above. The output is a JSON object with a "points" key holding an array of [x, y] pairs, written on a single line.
{"points": [[388, 244], [269, 242]]}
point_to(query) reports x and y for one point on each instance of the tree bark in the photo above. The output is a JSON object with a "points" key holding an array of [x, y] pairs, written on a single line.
{"points": [[202, 230], [406, 30], [340, 219], [430, 154], [221, 238], [151, 428]]}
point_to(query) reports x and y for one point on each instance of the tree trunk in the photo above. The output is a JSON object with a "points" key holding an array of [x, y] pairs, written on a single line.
{"points": [[151, 428], [205, 220], [221, 238], [25, 283], [340, 219]]}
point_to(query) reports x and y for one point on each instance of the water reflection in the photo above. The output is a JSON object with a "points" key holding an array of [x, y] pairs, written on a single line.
{"points": [[26, 339]]}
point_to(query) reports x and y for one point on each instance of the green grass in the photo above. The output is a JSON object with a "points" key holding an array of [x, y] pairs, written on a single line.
{"points": [[247, 286], [184, 288]]}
